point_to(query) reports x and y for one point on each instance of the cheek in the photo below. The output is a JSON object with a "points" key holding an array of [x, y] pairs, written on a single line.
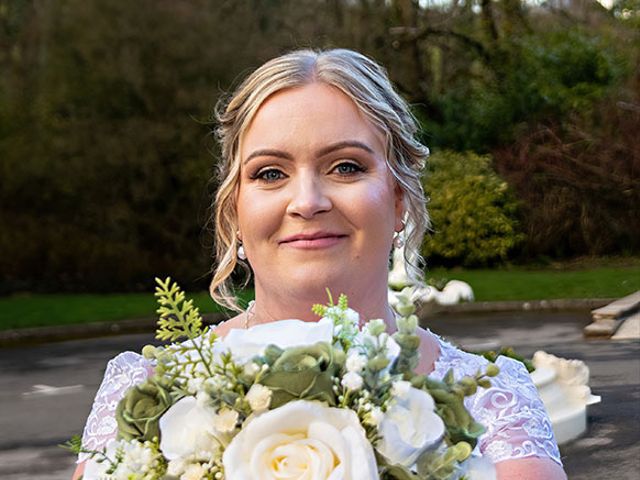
{"points": [[372, 207], [258, 215]]}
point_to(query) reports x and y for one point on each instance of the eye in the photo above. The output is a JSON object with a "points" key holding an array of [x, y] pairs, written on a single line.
{"points": [[347, 168], [268, 175]]}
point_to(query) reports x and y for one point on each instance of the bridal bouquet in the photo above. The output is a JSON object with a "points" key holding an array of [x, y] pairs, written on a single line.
{"points": [[291, 400]]}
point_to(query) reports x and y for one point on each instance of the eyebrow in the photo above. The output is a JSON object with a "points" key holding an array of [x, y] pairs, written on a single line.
{"points": [[271, 152], [345, 144]]}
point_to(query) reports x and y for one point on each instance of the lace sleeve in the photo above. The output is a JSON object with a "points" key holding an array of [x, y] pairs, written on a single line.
{"points": [[124, 371], [511, 410]]}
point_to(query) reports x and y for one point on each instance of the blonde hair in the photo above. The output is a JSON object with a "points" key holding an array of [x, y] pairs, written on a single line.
{"points": [[367, 84]]}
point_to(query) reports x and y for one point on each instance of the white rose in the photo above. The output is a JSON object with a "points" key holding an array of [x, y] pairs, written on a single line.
{"points": [[245, 344], [187, 428], [259, 397], [409, 427], [301, 439]]}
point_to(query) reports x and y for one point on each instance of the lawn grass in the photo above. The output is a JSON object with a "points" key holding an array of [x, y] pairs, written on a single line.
{"points": [[547, 284], [20, 311]]}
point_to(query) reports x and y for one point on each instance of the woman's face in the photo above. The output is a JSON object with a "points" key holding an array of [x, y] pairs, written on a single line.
{"points": [[317, 205]]}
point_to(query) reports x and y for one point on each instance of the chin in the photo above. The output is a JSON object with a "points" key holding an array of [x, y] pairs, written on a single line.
{"points": [[314, 280]]}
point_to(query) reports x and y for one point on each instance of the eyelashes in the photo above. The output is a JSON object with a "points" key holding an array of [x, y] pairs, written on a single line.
{"points": [[348, 168], [344, 169], [268, 175]]}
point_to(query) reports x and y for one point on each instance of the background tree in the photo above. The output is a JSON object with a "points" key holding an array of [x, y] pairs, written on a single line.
{"points": [[105, 110]]}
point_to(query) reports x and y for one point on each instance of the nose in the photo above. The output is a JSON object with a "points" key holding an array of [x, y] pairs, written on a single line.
{"points": [[308, 197]]}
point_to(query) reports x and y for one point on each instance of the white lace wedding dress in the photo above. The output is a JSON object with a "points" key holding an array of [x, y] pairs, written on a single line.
{"points": [[511, 410]]}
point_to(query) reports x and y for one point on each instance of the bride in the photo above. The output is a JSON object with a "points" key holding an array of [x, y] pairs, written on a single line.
{"points": [[320, 173]]}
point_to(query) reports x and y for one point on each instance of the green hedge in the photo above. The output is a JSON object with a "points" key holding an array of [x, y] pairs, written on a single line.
{"points": [[472, 211]]}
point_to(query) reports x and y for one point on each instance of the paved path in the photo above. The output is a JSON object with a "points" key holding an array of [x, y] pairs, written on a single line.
{"points": [[46, 391]]}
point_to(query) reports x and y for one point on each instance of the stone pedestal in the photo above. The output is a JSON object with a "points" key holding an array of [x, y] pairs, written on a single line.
{"points": [[563, 386]]}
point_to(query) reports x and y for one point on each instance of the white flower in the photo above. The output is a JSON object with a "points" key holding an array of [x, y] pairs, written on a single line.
{"points": [[176, 467], [355, 362], [246, 344], [410, 427], [352, 381], [251, 369], [136, 459], [94, 470], [259, 397], [301, 439], [225, 420], [194, 384], [392, 349], [374, 416], [352, 316], [203, 399], [400, 389], [194, 471], [187, 428]]}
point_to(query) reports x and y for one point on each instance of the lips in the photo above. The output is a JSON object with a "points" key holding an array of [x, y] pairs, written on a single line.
{"points": [[313, 240]]}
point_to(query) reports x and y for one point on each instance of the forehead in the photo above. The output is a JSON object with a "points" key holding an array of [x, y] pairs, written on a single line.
{"points": [[310, 116]]}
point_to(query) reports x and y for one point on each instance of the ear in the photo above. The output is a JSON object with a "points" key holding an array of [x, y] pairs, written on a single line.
{"points": [[399, 207]]}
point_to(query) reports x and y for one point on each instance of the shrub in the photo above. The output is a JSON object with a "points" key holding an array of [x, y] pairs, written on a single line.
{"points": [[472, 211]]}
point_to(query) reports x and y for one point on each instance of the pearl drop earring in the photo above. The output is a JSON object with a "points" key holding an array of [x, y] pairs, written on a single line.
{"points": [[398, 241], [241, 254]]}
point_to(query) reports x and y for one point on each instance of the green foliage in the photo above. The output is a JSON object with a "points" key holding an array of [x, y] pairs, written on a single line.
{"points": [[509, 352], [138, 413], [179, 319], [526, 78], [472, 211], [105, 109], [438, 466]]}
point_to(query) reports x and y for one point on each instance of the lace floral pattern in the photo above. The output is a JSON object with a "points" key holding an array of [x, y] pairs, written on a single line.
{"points": [[511, 410], [124, 371], [515, 417]]}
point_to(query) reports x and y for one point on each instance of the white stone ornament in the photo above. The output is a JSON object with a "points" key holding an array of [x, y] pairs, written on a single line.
{"points": [[563, 386], [455, 291]]}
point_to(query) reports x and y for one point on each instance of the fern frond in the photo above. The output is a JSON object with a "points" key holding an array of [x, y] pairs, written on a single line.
{"points": [[178, 317]]}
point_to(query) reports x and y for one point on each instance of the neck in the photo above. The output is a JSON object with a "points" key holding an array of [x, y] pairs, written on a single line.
{"points": [[274, 304]]}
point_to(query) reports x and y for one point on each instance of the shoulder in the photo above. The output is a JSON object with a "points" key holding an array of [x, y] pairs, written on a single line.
{"points": [[223, 328]]}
